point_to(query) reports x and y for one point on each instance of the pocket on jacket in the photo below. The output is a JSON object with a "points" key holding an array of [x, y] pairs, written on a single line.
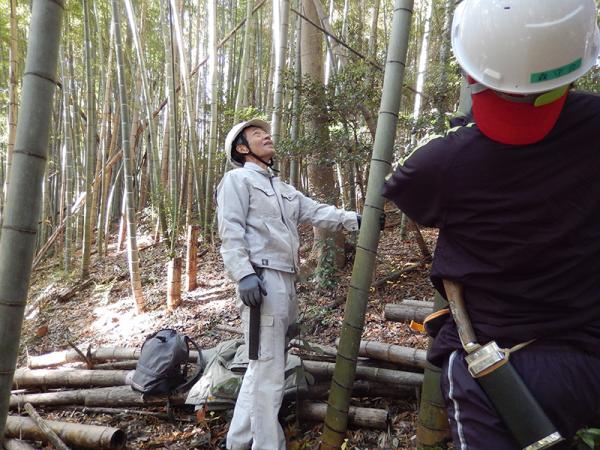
{"points": [[265, 201], [266, 346], [291, 205]]}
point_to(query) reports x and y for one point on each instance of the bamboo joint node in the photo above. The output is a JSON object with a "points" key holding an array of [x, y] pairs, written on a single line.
{"points": [[356, 288], [368, 250], [12, 304], [42, 75], [19, 229], [34, 155], [384, 161], [369, 205]]}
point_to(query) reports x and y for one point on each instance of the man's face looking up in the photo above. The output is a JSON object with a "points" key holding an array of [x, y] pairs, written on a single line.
{"points": [[260, 143]]}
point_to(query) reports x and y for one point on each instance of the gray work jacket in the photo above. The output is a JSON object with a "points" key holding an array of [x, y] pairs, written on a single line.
{"points": [[258, 217]]}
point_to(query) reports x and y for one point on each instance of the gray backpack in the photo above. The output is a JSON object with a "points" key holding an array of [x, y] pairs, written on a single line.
{"points": [[164, 363]]}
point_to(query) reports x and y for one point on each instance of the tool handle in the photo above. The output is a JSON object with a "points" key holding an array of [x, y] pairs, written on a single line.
{"points": [[518, 409], [456, 301], [254, 332]]}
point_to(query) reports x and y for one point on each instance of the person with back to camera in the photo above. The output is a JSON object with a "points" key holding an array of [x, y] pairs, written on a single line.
{"points": [[516, 198]]}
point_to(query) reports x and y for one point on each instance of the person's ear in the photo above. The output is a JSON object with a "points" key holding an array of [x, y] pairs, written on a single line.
{"points": [[241, 148]]}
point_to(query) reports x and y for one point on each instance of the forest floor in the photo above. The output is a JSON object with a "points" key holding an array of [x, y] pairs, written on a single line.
{"points": [[102, 314]]}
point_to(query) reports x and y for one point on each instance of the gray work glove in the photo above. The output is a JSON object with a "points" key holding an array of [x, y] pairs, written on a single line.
{"points": [[251, 290], [382, 218]]}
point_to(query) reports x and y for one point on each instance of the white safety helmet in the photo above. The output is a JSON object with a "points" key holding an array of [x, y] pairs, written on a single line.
{"points": [[525, 46], [235, 132]]}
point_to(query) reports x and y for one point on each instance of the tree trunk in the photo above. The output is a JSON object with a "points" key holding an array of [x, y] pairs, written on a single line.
{"points": [[336, 421], [132, 250], [328, 245], [21, 214]]}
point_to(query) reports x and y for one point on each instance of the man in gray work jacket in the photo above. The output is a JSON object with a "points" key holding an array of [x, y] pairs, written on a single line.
{"points": [[258, 216]]}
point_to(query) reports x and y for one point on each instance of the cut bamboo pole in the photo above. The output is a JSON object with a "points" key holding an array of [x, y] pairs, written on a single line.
{"points": [[83, 436], [191, 258], [393, 353], [422, 303], [395, 377], [107, 396], [101, 354], [174, 284], [406, 313], [360, 388], [25, 378], [48, 432], [358, 417], [17, 444]]}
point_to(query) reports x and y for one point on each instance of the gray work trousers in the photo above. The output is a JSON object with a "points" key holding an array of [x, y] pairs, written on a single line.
{"points": [[255, 424]]}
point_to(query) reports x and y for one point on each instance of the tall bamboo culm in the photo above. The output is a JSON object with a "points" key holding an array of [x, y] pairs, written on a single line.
{"points": [[132, 250], [23, 199], [336, 420]]}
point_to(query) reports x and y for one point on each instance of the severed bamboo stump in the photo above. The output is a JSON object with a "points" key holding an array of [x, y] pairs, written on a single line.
{"points": [[74, 434], [191, 258], [358, 417], [406, 313], [174, 284]]}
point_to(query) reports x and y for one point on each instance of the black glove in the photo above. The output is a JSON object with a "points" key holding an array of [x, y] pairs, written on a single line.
{"points": [[251, 290], [381, 220]]}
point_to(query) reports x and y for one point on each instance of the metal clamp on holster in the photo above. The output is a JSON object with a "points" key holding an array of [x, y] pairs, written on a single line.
{"points": [[490, 366]]}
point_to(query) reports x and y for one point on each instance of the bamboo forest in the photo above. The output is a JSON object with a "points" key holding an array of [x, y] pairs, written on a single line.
{"points": [[115, 119]]}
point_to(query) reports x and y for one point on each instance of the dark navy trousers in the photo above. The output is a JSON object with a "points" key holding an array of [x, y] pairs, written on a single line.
{"points": [[565, 382]]}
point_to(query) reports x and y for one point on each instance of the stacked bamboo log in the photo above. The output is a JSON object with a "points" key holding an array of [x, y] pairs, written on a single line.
{"points": [[408, 310], [102, 387]]}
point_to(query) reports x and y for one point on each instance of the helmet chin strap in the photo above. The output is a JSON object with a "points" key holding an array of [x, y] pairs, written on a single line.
{"points": [[250, 152]]}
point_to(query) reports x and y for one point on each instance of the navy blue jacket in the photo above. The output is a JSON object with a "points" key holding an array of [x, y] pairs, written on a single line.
{"points": [[519, 227]]}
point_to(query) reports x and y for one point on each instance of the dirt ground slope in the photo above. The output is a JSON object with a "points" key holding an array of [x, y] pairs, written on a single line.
{"points": [[102, 313]]}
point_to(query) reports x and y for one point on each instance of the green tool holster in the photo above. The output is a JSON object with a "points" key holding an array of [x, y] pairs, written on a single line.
{"points": [[490, 366]]}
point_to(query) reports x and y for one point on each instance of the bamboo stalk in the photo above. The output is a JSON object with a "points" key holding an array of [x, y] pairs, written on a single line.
{"points": [[191, 258], [395, 377], [101, 354], [84, 436], [174, 284], [16, 444], [25, 378], [107, 396], [406, 313], [398, 354], [48, 432], [357, 417]]}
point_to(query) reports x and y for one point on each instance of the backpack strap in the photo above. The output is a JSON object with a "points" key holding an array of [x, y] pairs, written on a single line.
{"points": [[188, 383]]}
